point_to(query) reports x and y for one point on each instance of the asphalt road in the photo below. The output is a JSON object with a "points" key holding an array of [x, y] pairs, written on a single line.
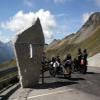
{"points": [[79, 87]]}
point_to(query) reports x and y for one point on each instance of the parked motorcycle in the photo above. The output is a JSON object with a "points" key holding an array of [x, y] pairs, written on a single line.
{"points": [[55, 69], [61, 69]]}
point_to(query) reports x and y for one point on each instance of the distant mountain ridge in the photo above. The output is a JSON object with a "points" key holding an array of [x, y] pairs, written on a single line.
{"points": [[6, 51], [88, 36], [53, 43]]}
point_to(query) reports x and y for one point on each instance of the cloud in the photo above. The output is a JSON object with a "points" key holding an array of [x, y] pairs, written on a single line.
{"points": [[3, 38], [23, 20], [86, 16]]}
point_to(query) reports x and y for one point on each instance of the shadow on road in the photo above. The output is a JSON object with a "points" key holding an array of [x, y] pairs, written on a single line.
{"points": [[73, 79], [90, 73], [53, 85], [46, 77], [76, 79]]}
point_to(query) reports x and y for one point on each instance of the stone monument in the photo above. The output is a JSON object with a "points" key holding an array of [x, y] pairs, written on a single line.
{"points": [[29, 47]]}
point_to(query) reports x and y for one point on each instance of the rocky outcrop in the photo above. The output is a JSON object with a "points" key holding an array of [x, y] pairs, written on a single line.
{"points": [[88, 28], [29, 47]]}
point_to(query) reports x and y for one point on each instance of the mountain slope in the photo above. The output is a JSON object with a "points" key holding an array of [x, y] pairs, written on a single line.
{"points": [[88, 28], [87, 37], [6, 51], [53, 44]]}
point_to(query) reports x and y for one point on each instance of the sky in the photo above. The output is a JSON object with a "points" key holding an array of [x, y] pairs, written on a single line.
{"points": [[59, 18]]}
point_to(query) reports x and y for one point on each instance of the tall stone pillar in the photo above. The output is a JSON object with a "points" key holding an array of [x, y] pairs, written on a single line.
{"points": [[28, 51]]}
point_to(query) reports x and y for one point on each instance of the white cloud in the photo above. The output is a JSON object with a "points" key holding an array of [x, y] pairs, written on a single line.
{"points": [[86, 16], [23, 20], [3, 38]]}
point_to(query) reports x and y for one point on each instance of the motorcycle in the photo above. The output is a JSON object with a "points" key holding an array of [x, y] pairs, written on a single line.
{"points": [[55, 69], [61, 69]]}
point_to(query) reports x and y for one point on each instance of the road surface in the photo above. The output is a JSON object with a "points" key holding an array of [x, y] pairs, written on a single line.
{"points": [[79, 87]]}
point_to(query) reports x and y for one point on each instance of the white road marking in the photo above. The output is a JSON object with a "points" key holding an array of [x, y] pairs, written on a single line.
{"points": [[49, 94]]}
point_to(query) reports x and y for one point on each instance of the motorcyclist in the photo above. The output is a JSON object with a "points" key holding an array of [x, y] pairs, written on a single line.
{"points": [[79, 57], [68, 60], [53, 66], [68, 66], [58, 61], [52, 61], [85, 55], [75, 64]]}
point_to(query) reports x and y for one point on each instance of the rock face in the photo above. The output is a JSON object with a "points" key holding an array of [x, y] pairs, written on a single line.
{"points": [[88, 28], [28, 50]]}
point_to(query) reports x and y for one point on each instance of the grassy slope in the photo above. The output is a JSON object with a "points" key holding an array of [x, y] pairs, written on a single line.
{"points": [[8, 64], [92, 44]]}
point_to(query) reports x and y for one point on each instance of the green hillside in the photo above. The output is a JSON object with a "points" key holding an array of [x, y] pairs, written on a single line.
{"points": [[92, 43], [8, 64]]}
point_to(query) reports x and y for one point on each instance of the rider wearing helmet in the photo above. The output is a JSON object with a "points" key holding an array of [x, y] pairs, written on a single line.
{"points": [[85, 55], [53, 59], [58, 59], [75, 64], [79, 57], [68, 60]]}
